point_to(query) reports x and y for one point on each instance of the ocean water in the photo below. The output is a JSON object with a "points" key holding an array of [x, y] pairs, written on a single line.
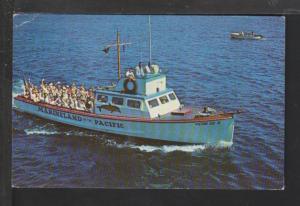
{"points": [[204, 67]]}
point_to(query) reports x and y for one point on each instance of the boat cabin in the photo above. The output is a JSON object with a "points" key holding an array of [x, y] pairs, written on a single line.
{"points": [[142, 92]]}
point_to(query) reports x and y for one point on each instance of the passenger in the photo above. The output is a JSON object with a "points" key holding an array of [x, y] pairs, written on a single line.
{"points": [[26, 91], [52, 101], [36, 97], [58, 102], [147, 69], [69, 101], [81, 105], [138, 71], [62, 95], [127, 73], [131, 73], [89, 104]]}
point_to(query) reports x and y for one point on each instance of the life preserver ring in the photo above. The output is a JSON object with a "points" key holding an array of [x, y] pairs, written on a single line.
{"points": [[126, 89]]}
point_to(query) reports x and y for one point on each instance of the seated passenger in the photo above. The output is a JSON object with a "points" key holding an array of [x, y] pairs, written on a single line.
{"points": [[129, 73]]}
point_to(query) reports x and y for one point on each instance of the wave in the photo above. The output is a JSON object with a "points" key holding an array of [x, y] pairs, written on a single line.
{"points": [[224, 144], [39, 131], [181, 148], [168, 148], [47, 131]]}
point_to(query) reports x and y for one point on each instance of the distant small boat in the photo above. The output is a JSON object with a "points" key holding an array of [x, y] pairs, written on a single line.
{"points": [[246, 35]]}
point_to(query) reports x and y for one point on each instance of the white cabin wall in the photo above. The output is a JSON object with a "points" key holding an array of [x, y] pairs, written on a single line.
{"points": [[157, 83]]}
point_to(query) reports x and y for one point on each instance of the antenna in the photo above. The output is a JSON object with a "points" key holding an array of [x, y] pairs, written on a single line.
{"points": [[150, 40]]}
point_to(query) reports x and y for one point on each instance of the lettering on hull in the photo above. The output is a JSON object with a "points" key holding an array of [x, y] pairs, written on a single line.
{"points": [[79, 118], [109, 124], [60, 114]]}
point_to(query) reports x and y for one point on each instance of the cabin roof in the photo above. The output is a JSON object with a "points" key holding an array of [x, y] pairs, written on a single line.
{"points": [[133, 96]]}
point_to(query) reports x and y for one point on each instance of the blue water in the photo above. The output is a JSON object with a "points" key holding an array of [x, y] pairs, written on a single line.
{"points": [[205, 67]]}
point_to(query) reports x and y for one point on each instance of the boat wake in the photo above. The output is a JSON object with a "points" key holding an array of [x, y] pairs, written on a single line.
{"points": [[49, 130], [169, 148], [112, 143], [39, 131], [46, 130]]}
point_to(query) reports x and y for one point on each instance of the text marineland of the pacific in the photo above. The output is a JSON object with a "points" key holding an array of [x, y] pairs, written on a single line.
{"points": [[78, 118]]}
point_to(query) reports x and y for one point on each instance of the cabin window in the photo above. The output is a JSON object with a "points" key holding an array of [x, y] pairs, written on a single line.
{"points": [[133, 103], [164, 99], [172, 96], [117, 100], [102, 98], [153, 103]]}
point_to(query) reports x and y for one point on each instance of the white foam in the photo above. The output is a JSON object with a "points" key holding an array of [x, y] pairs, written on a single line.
{"points": [[224, 144], [169, 148], [39, 131], [82, 134], [163, 148]]}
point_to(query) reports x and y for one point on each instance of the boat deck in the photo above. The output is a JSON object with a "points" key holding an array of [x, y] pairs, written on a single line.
{"points": [[183, 115]]}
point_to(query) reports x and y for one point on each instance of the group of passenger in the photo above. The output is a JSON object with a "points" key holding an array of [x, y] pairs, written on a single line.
{"points": [[60, 95], [141, 71]]}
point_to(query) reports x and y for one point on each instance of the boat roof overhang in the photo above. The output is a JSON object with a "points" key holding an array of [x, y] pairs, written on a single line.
{"points": [[134, 96]]}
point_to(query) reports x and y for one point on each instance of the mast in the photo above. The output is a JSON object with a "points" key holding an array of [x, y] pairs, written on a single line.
{"points": [[118, 45], [119, 58], [150, 58]]}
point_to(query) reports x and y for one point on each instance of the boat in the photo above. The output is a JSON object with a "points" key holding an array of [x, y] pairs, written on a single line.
{"points": [[246, 35], [140, 105]]}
